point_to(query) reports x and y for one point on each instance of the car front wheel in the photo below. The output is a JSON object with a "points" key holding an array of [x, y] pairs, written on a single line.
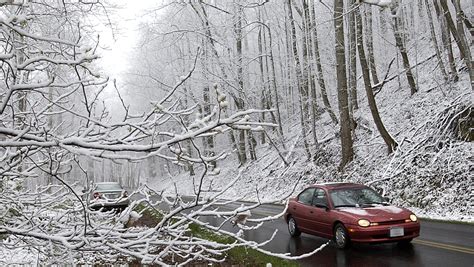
{"points": [[293, 228], [341, 237]]}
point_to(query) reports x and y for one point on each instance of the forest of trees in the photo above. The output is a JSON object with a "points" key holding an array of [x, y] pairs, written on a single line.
{"points": [[302, 59], [207, 81]]}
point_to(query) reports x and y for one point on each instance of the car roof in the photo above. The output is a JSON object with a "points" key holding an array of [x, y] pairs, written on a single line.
{"points": [[336, 185]]}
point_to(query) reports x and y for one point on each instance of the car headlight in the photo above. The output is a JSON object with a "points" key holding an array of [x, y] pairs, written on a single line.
{"points": [[413, 218], [363, 222]]}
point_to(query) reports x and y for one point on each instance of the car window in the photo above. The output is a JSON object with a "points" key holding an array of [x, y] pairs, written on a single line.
{"points": [[306, 196], [355, 197], [319, 198], [108, 187]]}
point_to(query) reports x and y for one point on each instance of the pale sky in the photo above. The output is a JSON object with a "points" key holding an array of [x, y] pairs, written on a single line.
{"points": [[127, 19]]}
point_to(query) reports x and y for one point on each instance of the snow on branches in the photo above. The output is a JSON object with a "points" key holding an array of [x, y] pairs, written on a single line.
{"points": [[51, 115]]}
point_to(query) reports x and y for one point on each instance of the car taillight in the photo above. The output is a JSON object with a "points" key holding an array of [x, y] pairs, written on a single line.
{"points": [[96, 195], [125, 193]]}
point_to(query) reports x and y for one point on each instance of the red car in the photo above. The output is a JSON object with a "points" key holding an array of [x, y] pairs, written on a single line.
{"points": [[348, 212]]}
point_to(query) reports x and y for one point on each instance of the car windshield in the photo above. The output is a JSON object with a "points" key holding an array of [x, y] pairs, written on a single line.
{"points": [[355, 197], [109, 187]]}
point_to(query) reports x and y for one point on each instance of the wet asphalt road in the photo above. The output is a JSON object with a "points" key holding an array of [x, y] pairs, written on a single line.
{"points": [[439, 244]]}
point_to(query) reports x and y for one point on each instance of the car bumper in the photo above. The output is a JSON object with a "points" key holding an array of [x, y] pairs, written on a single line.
{"points": [[109, 204], [381, 233]]}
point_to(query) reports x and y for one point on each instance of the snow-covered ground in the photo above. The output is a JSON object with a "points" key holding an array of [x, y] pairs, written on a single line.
{"points": [[431, 171]]}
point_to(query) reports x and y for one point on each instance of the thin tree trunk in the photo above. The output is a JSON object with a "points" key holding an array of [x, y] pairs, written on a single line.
{"points": [[305, 67], [391, 144], [205, 23], [463, 41], [274, 83], [354, 105], [267, 70], [345, 125], [262, 78], [399, 42], [320, 75], [435, 42], [189, 146], [239, 101], [252, 145], [263, 106], [288, 46], [370, 45], [298, 77], [209, 151], [446, 40], [312, 87], [452, 27]]}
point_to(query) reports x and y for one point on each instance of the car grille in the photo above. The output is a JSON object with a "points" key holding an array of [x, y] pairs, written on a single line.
{"points": [[112, 195], [391, 222]]}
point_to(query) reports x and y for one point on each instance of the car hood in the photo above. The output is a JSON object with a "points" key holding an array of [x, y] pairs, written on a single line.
{"points": [[376, 214]]}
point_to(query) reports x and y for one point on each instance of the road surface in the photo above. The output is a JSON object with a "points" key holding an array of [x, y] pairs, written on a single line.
{"points": [[439, 244]]}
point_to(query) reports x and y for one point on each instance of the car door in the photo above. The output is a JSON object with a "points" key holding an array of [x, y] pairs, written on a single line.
{"points": [[320, 219], [300, 210]]}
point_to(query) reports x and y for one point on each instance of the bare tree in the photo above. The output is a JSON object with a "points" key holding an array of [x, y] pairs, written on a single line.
{"points": [[391, 144], [370, 46], [463, 44], [446, 41], [352, 68], [319, 67], [54, 219], [299, 77], [398, 30], [342, 95], [435, 41]]}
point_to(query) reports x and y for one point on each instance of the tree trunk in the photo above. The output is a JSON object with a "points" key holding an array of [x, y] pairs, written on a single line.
{"points": [[305, 68], [320, 75], [274, 84], [354, 105], [370, 45], [298, 77], [252, 145], [288, 43], [267, 68], [399, 42], [391, 144], [262, 77], [452, 27], [446, 40], [345, 125], [209, 141], [463, 42], [205, 23], [239, 102], [435, 42], [312, 87], [263, 106]]}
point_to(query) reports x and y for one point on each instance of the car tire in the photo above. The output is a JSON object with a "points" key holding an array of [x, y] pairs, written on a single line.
{"points": [[293, 227], [341, 236]]}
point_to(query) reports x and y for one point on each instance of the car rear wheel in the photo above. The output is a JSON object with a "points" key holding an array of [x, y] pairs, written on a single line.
{"points": [[293, 228], [341, 237]]}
